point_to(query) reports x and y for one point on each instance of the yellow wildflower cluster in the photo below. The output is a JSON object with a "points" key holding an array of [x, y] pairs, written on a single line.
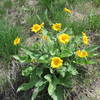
{"points": [[64, 38]]}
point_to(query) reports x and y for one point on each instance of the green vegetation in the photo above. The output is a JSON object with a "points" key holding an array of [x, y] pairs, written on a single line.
{"points": [[8, 33], [16, 20]]}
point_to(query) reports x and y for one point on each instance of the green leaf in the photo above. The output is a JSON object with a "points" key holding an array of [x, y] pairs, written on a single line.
{"points": [[39, 71], [27, 52], [90, 62], [92, 48], [40, 83], [27, 71], [72, 70], [93, 54], [25, 86], [52, 83], [62, 71], [33, 81], [43, 59], [48, 77], [21, 59], [66, 81], [59, 93], [51, 88], [66, 53], [80, 61], [36, 91]]}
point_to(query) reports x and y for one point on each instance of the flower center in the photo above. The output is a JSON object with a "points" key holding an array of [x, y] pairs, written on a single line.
{"points": [[36, 27], [57, 26], [56, 62], [64, 38]]}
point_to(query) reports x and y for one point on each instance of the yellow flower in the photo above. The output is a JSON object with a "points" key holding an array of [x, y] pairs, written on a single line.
{"points": [[56, 62], [45, 37], [85, 38], [17, 41], [67, 10], [64, 38], [81, 53], [56, 27], [36, 27]]}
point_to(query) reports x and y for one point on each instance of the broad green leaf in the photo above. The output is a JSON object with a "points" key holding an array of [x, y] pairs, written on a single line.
{"points": [[62, 71], [27, 71], [39, 71], [51, 88], [66, 53], [66, 81], [48, 77], [72, 70], [27, 52], [21, 59], [44, 59], [36, 91], [40, 83], [59, 93], [25, 86], [33, 80], [53, 81]]}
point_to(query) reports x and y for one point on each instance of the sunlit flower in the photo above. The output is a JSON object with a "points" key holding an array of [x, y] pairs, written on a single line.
{"points": [[56, 62], [64, 38], [17, 41], [81, 53], [36, 27], [85, 38], [67, 10], [45, 37], [56, 27]]}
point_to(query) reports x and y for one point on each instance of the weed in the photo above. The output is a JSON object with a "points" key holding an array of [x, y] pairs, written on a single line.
{"points": [[7, 36]]}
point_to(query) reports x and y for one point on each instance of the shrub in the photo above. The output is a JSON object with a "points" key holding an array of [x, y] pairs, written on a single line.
{"points": [[55, 60], [8, 34]]}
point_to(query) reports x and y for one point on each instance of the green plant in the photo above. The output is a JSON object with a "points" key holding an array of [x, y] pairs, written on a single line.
{"points": [[96, 2], [7, 4], [46, 3], [8, 33], [94, 21], [55, 60]]}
